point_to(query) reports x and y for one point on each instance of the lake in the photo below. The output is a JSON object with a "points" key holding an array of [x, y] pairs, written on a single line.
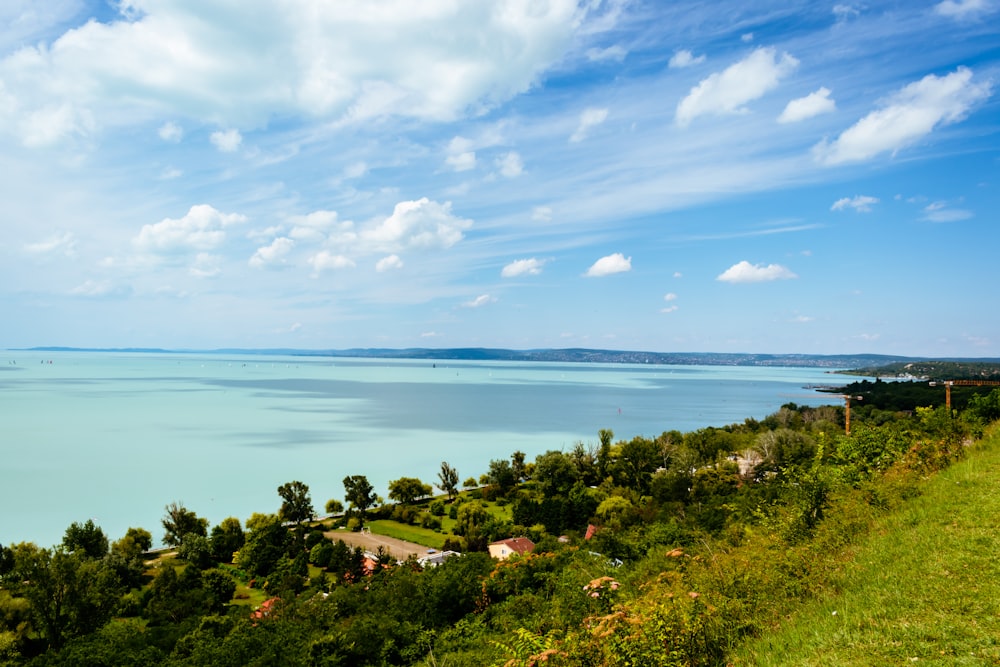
{"points": [[114, 437]]}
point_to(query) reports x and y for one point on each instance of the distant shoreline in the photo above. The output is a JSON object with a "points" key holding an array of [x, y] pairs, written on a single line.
{"points": [[566, 355]]}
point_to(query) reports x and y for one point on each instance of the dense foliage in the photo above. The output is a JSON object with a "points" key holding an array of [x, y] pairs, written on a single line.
{"points": [[666, 550]]}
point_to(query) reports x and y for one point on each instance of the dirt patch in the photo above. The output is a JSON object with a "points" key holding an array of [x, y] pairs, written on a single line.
{"points": [[399, 549]]}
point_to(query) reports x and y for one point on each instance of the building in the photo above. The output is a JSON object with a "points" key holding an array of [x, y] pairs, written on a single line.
{"points": [[504, 549]]}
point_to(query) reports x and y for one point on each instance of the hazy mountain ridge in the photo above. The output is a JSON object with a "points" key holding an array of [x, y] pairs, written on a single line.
{"points": [[573, 355]]}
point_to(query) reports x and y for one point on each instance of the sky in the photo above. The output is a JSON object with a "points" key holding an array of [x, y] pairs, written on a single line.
{"points": [[725, 176]]}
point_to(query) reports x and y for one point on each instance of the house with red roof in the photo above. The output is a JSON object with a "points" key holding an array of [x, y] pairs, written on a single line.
{"points": [[504, 549]]}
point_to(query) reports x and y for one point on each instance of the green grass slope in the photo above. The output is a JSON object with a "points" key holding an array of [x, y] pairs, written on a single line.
{"points": [[923, 588]]}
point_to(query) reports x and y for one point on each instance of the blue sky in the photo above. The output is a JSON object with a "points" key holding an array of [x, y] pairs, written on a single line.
{"points": [[686, 176]]}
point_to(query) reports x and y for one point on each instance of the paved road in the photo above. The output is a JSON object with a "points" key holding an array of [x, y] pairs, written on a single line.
{"points": [[400, 549]]}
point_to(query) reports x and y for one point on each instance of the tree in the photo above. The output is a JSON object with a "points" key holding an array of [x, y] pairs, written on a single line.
{"points": [[405, 490], [87, 539], [180, 521], [501, 475], [227, 539], [448, 480], [555, 473], [334, 506], [266, 543], [518, 466], [359, 493], [297, 505], [133, 544]]}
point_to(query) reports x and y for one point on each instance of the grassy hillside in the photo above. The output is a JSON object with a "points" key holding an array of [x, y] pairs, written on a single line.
{"points": [[922, 588]]}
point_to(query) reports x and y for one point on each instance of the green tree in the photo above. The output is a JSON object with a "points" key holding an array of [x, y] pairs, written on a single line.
{"points": [[135, 542], [501, 475], [334, 506], [359, 492], [448, 479], [405, 490], [180, 521], [266, 543], [555, 473], [296, 503], [227, 539], [87, 539], [69, 594]]}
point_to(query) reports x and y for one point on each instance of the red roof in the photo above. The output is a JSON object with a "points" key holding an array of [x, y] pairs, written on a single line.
{"points": [[519, 545]]}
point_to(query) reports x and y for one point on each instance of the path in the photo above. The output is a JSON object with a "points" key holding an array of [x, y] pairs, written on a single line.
{"points": [[399, 549]]}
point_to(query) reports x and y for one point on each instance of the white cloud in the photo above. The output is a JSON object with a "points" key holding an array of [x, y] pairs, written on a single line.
{"points": [[939, 212], [522, 267], [845, 12], [479, 301], [669, 297], [588, 119], [611, 264], [205, 266], [227, 141], [746, 37], [615, 52], [64, 244], [906, 117], [684, 58], [728, 91], [321, 226], [355, 170], [274, 254], [388, 263], [962, 8], [678, 274], [860, 203], [325, 260], [811, 105], [462, 161], [745, 272], [171, 132], [202, 228], [510, 164], [417, 224], [342, 61]]}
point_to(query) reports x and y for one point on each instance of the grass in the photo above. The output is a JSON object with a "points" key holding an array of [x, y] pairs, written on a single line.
{"points": [[923, 588], [402, 531]]}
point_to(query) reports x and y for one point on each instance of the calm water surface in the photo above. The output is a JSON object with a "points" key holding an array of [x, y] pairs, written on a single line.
{"points": [[115, 437]]}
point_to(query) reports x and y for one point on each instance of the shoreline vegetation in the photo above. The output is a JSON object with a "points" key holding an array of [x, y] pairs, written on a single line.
{"points": [[778, 541]]}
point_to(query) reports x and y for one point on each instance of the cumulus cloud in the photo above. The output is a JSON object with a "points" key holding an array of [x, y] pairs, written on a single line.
{"points": [[745, 272], [510, 164], [479, 301], [522, 267], [460, 156], [684, 58], [611, 264], [727, 92], [272, 255], [202, 228], [227, 141], [811, 105], [860, 203], [325, 260], [389, 263], [962, 8], [906, 117], [342, 61], [322, 225], [589, 119], [417, 224]]}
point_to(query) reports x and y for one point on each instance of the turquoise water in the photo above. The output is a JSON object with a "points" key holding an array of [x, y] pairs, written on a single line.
{"points": [[115, 437]]}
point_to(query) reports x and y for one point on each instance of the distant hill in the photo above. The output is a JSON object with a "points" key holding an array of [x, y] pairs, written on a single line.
{"points": [[574, 355]]}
